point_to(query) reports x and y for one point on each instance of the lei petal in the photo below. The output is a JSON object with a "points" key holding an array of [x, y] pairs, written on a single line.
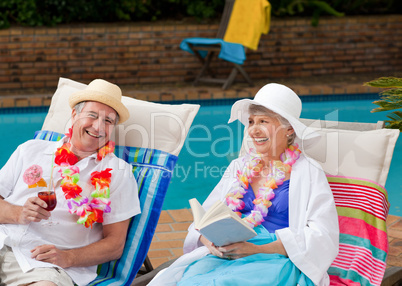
{"points": [[71, 190], [107, 149], [64, 157]]}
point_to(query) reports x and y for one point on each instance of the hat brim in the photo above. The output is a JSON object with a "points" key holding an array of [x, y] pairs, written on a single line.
{"points": [[92, 95], [306, 135]]}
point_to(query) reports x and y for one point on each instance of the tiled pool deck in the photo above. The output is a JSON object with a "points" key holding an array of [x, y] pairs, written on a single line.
{"points": [[172, 227]]}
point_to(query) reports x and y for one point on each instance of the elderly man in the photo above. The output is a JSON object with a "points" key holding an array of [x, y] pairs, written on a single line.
{"points": [[96, 196]]}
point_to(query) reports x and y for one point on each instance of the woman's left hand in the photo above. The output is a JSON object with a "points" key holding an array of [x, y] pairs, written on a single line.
{"points": [[238, 250]]}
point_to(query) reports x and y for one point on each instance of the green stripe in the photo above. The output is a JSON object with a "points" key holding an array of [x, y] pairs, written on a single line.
{"points": [[349, 274], [363, 243], [359, 214]]}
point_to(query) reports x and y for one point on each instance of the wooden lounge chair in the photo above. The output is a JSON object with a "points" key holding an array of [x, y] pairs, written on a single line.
{"points": [[206, 50], [356, 209]]}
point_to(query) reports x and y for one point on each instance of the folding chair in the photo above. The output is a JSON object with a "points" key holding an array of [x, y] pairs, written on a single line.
{"points": [[153, 159], [360, 198], [205, 49]]}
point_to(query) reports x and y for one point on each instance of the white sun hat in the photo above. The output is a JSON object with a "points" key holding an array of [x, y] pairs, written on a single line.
{"points": [[104, 92], [281, 100]]}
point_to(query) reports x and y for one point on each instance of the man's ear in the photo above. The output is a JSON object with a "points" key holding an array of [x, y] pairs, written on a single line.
{"points": [[73, 116]]}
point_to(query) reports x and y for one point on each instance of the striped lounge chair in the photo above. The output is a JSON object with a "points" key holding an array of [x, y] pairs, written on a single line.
{"points": [[153, 170]]}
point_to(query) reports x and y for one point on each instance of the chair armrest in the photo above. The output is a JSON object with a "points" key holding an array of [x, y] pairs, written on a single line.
{"points": [[392, 276], [143, 280]]}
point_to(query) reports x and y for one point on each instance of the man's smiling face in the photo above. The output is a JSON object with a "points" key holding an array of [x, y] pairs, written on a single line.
{"points": [[92, 127]]}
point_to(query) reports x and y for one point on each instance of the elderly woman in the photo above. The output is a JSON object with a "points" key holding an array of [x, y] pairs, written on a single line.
{"points": [[281, 193]]}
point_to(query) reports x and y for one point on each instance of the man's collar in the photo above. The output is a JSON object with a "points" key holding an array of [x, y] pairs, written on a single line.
{"points": [[51, 149]]}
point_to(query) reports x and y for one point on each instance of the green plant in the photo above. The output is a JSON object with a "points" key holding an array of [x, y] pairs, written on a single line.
{"points": [[391, 99], [310, 7]]}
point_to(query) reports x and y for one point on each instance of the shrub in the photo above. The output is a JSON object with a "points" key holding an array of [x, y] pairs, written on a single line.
{"points": [[53, 12]]}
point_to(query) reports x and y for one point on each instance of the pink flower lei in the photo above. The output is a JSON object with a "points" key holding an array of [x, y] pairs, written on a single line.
{"points": [[252, 167]]}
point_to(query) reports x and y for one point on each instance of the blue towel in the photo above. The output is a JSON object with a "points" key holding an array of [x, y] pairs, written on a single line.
{"points": [[230, 52]]}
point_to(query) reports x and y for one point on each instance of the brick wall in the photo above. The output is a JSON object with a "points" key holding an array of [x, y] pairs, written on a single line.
{"points": [[149, 53]]}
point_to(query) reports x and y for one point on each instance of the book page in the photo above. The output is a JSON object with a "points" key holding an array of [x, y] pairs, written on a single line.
{"points": [[217, 209], [198, 212]]}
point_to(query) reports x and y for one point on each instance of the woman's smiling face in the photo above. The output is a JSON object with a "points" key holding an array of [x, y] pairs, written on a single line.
{"points": [[268, 135]]}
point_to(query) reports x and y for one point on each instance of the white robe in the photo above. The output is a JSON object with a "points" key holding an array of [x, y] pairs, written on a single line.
{"points": [[312, 238]]}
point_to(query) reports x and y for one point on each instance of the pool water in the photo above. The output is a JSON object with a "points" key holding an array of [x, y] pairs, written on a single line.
{"points": [[212, 143]]}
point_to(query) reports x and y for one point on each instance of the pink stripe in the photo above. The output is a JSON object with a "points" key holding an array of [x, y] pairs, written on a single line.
{"points": [[372, 192], [360, 228], [338, 281], [367, 193], [364, 200], [361, 261]]}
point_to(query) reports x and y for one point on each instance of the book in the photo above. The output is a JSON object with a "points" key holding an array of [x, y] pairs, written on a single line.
{"points": [[220, 224]]}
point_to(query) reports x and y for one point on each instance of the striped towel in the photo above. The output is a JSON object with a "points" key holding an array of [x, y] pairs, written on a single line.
{"points": [[362, 207]]}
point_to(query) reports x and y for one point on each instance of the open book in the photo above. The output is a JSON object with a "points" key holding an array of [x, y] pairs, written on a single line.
{"points": [[220, 224]]}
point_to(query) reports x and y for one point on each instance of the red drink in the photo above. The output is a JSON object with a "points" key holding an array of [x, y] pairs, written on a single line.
{"points": [[49, 198]]}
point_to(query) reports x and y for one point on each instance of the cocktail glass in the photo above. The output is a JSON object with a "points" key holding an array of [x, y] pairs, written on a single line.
{"points": [[49, 197]]}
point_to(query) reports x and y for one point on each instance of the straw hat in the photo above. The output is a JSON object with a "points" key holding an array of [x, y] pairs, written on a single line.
{"points": [[281, 100], [104, 92]]}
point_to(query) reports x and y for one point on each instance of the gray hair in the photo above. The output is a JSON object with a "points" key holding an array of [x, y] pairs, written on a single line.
{"points": [[80, 106], [255, 109]]}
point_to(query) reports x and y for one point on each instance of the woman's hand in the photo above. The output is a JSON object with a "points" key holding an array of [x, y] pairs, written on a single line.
{"points": [[212, 248], [239, 249]]}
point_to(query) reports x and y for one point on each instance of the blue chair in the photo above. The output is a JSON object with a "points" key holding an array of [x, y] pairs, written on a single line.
{"points": [[153, 170]]}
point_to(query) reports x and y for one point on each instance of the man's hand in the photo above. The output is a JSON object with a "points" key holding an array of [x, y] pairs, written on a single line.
{"points": [[51, 254], [33, 211]]}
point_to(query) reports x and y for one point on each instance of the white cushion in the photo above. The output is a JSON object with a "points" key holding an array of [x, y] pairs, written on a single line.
{"points": [[361, 154], [151, 125], [350, 153]]}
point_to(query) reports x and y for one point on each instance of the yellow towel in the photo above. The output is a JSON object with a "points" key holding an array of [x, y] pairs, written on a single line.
{"points": [[249, 19]]}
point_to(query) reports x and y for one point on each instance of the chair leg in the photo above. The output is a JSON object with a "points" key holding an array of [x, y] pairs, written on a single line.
{"points": [[205, 67], [230, 79], [244, 74], [147, 267]]}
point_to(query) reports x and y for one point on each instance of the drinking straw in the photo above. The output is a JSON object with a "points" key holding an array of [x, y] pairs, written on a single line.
{"points": [[51, 174]]}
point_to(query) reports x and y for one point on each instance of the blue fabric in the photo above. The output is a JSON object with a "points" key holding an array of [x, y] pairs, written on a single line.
{"points": [[278, 213], [153, 170], [230, 52], [257, 269]]}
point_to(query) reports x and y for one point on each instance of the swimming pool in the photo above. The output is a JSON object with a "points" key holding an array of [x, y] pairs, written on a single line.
{"points": [[212, 143]]}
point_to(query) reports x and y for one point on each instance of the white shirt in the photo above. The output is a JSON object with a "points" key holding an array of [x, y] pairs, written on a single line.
{"points": [[312, 238], [67, 234]]}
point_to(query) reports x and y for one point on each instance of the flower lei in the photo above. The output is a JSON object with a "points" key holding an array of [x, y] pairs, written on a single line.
{"points": [[89, 211], [252, 167]]}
